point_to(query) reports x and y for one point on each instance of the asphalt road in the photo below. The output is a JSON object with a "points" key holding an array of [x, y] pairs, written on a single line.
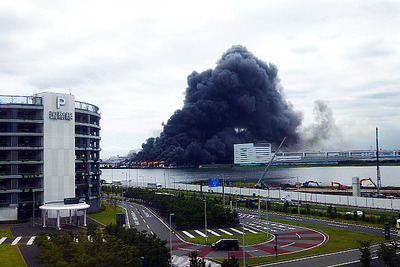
{"points": [[340, 225], [144, 219], [290, 238]]}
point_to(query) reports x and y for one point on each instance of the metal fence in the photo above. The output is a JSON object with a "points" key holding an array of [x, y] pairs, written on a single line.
{"points": [[350, 201]]}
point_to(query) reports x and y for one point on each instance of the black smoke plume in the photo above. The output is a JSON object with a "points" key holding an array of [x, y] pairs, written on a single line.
{"points": [[239, 101]]}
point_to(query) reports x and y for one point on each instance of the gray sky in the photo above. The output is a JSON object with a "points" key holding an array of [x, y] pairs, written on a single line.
{"points": [[132, 58]]}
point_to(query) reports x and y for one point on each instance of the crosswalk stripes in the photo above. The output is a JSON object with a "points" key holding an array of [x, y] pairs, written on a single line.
{"points": [[214, 233], [225, 232], [251, 231], [16, 240], [219, 232], [200, 233], [30, 241], [236, 230], [188, 234]]}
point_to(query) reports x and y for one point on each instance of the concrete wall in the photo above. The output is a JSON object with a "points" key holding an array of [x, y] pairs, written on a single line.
{"points": [[8, 213], [59, 146]]}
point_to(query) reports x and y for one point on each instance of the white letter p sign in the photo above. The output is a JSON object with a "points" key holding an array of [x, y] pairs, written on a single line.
{"points": [[61, 101]]}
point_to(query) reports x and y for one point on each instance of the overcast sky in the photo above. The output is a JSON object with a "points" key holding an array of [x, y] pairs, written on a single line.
{"points": [[132, 58]]}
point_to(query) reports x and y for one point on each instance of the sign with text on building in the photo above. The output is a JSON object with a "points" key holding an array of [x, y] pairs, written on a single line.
{"points": [[213, 182], [60, 115]]}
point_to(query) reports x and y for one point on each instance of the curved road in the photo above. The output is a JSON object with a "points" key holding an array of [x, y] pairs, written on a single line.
{"points": [[290, 238]]}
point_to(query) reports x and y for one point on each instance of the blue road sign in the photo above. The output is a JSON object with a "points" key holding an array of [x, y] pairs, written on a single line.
{"points": [[213, 182]]}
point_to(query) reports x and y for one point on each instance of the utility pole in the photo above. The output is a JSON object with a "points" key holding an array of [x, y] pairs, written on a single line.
{"points": [[378, 172]]}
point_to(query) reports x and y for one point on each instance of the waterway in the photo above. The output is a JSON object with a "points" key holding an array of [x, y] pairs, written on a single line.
{"points": [[390, 175]]}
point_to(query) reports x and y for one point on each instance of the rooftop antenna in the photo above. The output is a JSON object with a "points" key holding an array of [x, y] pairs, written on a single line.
{"points": [[378, 172]]}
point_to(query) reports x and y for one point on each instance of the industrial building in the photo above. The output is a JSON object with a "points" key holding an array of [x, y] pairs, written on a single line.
{"points": [[260, 153], [49, 151], [252, 153]]}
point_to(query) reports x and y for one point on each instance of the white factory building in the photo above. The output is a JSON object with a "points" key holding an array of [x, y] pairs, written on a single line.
{"points": [[252, 153]]}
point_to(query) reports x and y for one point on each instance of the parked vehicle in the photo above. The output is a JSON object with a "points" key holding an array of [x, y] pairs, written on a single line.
{"points": [[226, 244]]}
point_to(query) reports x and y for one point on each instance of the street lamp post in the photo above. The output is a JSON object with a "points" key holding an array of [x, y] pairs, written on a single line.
{"points": [[174, 182], [170, 234], [205, 219], [244, 247], [298, 196], [33, 207], [223, 188], [266, 209]]}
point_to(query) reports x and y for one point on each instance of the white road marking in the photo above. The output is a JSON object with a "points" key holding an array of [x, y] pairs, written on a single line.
{"points": [[251, 231], [237, 231], [298, 235], [214, 233], [288, 244], [2, 240], [188, 234], [135, 219], [16, 240], [225, 232], [30, 241], [200, 233]]}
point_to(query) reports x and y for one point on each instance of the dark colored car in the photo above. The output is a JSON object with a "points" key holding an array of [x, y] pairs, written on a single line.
{"points": [[226, 244]]}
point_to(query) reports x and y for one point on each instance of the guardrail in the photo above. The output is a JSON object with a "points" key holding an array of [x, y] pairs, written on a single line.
{"points": [[24, 100]]}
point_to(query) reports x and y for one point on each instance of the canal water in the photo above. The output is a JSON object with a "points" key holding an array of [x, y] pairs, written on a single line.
{"points": [[390, 175]]}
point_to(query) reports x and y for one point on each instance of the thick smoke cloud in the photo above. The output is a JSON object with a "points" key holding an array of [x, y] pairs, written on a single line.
{"points": [[239, 101], [322, 130]]}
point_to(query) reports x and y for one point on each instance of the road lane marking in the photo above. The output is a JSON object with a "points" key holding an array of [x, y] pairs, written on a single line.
{"points": [[30, 241], [251, 231], [298, 235], [237, 231], [188, 234], [135, 218], [16, 240], [225, 232], [200, 233], [288, 244], [214, 233], [2, 240]]}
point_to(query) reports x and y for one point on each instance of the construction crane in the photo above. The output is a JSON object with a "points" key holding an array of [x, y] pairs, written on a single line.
{"points": [[340, 186], [367, 179], [262, 185], [307, 184]]}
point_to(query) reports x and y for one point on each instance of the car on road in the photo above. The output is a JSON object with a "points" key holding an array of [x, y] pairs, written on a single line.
{"points": [[226, 244], [358, 212]]}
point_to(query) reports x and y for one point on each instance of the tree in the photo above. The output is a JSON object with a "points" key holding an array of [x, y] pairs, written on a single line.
{"points": [[387, 253], [231, 262], [194, 261], [364, 247]]}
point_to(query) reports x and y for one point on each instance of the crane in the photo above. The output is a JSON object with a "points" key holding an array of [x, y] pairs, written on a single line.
{"points": [[262, 185], [340, 186], [367, 179]]}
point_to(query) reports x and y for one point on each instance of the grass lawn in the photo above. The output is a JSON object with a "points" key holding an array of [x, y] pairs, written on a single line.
{"points": [[250, 238], [108, 216], [9, 255], [338, 240], [5, 232]]}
